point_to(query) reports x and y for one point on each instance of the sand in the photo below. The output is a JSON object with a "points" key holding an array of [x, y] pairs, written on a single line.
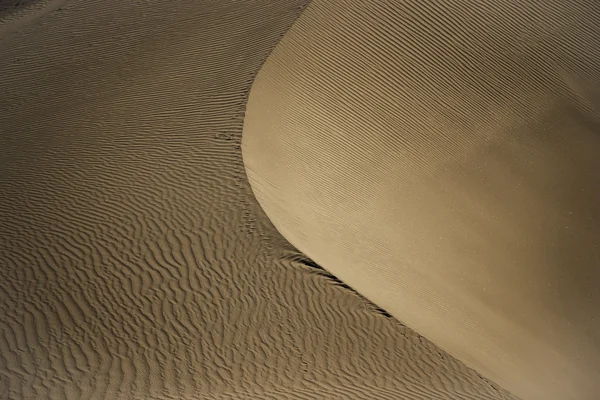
{"points": [[135, 260], [443, 159]]}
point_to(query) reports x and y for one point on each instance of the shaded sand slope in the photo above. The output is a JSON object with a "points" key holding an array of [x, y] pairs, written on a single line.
{"points": [[443, 159], [135, 262]]}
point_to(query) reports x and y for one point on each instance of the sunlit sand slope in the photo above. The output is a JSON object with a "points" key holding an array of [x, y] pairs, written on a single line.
{"points": [[443, 159]]}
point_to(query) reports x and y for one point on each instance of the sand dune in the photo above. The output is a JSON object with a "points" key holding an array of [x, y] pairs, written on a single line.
{"points": [[135, 261], [443, 159]]}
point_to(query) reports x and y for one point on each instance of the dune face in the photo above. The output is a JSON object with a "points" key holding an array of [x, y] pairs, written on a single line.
{"points": [[135, 262], [443, 159]]}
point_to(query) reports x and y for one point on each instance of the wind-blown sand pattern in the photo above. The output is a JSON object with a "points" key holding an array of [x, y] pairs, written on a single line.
{"points": [[135, 261], [443, 159]]}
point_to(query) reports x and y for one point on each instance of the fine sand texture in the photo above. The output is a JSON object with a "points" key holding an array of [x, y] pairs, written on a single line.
{"points": [[443, 159], [135, 261]]}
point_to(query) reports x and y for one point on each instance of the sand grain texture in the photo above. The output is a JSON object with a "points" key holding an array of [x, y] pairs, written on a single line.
{"points": [[135, 261], [443, 159]]}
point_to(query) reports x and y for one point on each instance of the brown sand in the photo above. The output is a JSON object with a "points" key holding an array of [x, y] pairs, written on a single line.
{"points": [[443, 159], [135, 262]]}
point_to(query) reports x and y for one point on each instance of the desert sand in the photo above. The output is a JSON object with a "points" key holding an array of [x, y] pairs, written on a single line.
{"points": [[135, 260], [443, 159]]}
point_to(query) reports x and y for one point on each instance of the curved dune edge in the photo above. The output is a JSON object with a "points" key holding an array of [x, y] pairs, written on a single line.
{"points": [[442, 159], [135, 262]]}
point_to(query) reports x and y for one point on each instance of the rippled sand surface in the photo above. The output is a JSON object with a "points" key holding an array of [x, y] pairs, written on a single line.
{"points": [[135, 262]]}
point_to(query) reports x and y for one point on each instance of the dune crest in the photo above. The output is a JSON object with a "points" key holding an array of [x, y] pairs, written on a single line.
{"points": [[442, 158]]}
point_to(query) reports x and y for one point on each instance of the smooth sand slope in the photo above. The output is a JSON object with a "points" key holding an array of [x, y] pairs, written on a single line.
{"points": [[443, 159], [135, 262]]}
